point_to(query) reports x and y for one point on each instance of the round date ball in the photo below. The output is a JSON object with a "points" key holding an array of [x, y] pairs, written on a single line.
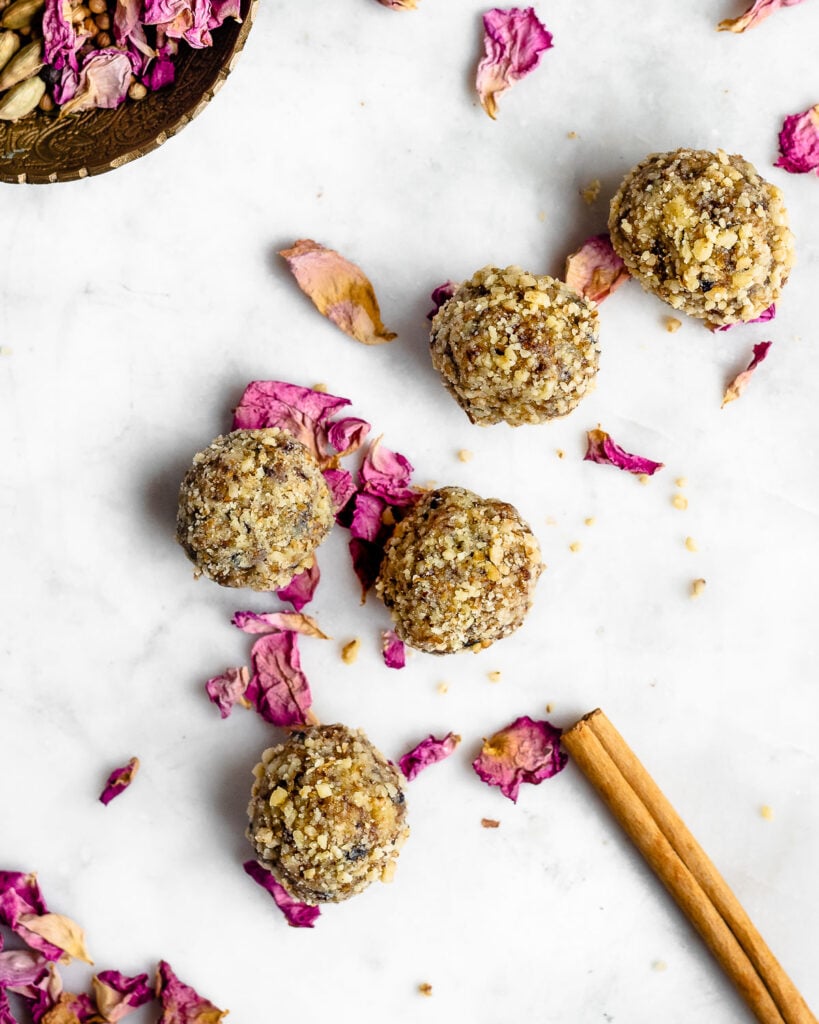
{"points": [[705, 233], [327, 814], [458, 572], [253, 508], [515, 347]]}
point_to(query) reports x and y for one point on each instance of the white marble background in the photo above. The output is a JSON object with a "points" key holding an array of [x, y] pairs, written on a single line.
{"points": [[133, 310]]}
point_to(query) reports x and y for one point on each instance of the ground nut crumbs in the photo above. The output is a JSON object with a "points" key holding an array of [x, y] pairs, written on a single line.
{"points": [[349, 652], [672, 324], [321, 388], [691, 544], [458, 572], [575, 546], [512, 346], [643, 478], [443, 688], [659, 965], [493, 677], [327, 814], [590, 521], [591, 192], [766, 812], [425, 988], [705, 233], [560, 453], [697, 587], [490, 823], [679, 501], [681, 481], [253, 507], [465, 455]]}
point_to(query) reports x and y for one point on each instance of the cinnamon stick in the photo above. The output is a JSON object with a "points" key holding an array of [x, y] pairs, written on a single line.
{"points": [[685, 869]]}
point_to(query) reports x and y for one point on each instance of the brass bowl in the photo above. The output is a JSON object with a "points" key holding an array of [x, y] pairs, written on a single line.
{"points": [[43, 148]]}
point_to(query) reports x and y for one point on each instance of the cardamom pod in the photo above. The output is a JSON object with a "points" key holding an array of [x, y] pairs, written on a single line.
{"points": [[9, 45], [21, 13], [23, 65], [21, 99]]}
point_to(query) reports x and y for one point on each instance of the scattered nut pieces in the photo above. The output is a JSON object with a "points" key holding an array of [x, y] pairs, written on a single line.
{"points": [[680, 502], [349, 652], [443, 688], [681, 482], [560, 453], [425, 988], [590, 521], [490, 823], [659, 965], [766, 812], [575, 546], [672, 324], [541, 216], [691, 544], [465, 455], [643, 478], [321, 388], [591, 192], [549, 708], [493, 677], [551, 521], [697, 587], [5, 350], [572, 135]]}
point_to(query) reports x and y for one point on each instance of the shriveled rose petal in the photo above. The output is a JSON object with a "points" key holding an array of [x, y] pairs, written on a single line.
{"points": [[180, 19], [69, 1008], [339, 290], [299, 915], [742, 380], [758, 11], [22, 967], [799, 142], [387, 475], [342, 488], [367, 522], [182, 1004], [229, 689], [41, 996], [117, 995], [602, 449], [428, 751], [278, 688], [5, 1009], [160, 75], [277, 622], [525, 751], [104, 81], [302, 588], [399, 5], [764, 317], [119, 780], [440, 295], [366, 556], [221, 10], [513, 42], [595, 270], [61, 37], [56, 931], [20, 897], [393, 650], [348, 434]]}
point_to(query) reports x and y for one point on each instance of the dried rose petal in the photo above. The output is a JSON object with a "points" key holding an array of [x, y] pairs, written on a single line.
{"points": [[41, 996], [513, 42], [392, 647], [277, 622], [387, 475], [180, 19], [440, 295], [180, 1003], [428, 751], [367, 522], [119, 780], [278, 688], [342, 488], [758, 11], [229, 689], [302, 588], [799, 142], [525, 751], [299, 915], [5, 1009], [103, 82], [21, 903], [595, 270], [367, 557], [339, 290], [117, 995], [47, 932], [399, 5], [69, 1008], [602, 449], [742, 380], [764, 317], [22, 967]]}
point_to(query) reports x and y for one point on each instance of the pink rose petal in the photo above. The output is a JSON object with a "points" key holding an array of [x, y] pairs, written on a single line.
{"points": [[20, 899], [69, 1008], [440, 295], [117, 995], [513, 42], [103, 82], [366, 557], [764, 317], [302, 588], [22, 967], [277, 622], [348, 434], [278, 688], [119, 780], [387, 475], [427, 752], [595, 270], [180, 1003], [742, 380], [602, 449], [342, 488], [367, 522], [339, 290], [299, 915], [525, 751], [758, 11], [47, 932], [393, 650], [399, 5], [799, 142], [229, 689]]}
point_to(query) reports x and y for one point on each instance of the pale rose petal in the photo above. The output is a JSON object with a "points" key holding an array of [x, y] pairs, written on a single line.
{"points": [[602, 449], [278, 688], [119, 780], [104, 81], [229, 689], [117, 995], [299, 915], [22, 967], [69, 1008], [525, 751], [339, 290], [764, 316], [41, 996], [387, 475], [758, 11], [742, 380], [20, 896], [342, 488], [347, 435], [513, 42], [799, 142], [180, 1003], [277, 622], [440, 295], [595, 270], [393, 650], [399, 5], [427, 752], [302, 588], [58, 931]]}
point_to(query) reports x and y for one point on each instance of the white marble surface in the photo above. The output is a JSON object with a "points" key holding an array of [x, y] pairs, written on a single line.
{"points": [[133, 310]]}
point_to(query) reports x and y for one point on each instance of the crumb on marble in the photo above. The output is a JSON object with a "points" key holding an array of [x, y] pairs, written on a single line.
{"points": [[659, 965], [643, 478], [560, 453], [541, 216], [691, 544], [590, 520], [551, 521], [465, 455], [591, 192], [572, 135], [549, 708], [443, 688], [350, 651], [679, 501], [681, 482], [490, 823], [697, 587], [575, 546], [321, 388], [493, 677], [5, 350], [672, 324], [425, 988], [766, 812]]}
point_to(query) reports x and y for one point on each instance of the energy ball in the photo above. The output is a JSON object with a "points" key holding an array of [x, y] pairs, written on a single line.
{"points": [[703, 232], [253, 508], [515, 347], [327, 814], [459, 571]]}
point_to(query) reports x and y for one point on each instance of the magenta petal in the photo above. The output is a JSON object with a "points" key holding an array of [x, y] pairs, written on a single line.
{"points": [[302, 588], [440, 295], [742, 380], [277, 622], [387, 475], [799, 142], [347, 435], [758, 11], [22, 967], [20, 896], [229, 689], [119, 780], [367, 522], [299, 915], [764, 317], [367, 557], [392, 647], [342, 488], [278, 688], [180, 1003], [525, 751], [117, 995], [513, 42], [602, 449], [429, 751]]}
